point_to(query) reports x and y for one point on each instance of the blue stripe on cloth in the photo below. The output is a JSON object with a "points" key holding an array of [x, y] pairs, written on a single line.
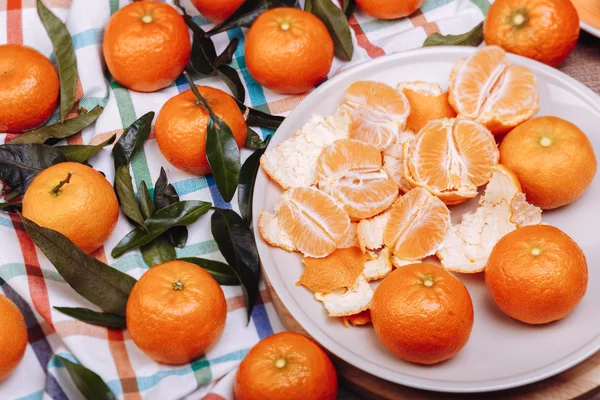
{"points": [[37, 340], [6, 222], [192, 185], [33, 396], [216, 196], [261, 321], [86, 38], [181, 84]]}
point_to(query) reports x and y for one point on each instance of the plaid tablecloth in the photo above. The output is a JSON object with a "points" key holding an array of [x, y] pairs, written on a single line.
{"points": [[28, 278]]}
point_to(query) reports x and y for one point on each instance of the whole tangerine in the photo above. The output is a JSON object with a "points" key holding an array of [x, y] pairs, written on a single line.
{"points": [[75, 200], [544, 30], [552, 158], [422, 313], [288, 50], [13, 337], [29, 88], [146, 45], [181, 127], [386, 9], [287, 366], [217, 11], [537, 274], [176, 312]]}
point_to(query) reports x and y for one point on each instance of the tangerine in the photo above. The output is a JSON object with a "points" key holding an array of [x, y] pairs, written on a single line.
{"points": [[217, 11], [13, 337], [385, 9]]}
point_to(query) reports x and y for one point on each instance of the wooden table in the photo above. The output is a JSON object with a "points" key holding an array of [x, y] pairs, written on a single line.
{"points": [[581, 381]]}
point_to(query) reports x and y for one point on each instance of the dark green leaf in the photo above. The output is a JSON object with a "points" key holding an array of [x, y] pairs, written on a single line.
{"points": [[146, 204], [81, 153], [237, 245], [11, 207], [472, 38], [132, 139], [233, 82], [223, 156], [91, 386], [99, 283], [308, 6], [349, 7], [203, 54], [20, 163], [253, 141], [65, 57], [337, 25], [258, 118], [59, 130], [227, 55], [165, 195], [94, 317], [244, 16], [246, 187], [158, 251], [223, 273], [178, 214], [127, 200], [188, 19]]}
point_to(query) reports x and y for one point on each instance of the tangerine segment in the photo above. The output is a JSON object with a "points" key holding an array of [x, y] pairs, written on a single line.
{"points": [[427, 102], [417, 226], [473, 78], [377, 112], [338, 270], [313, 221], [451, 158], [513, 100], [351, 172], [393, 160]]}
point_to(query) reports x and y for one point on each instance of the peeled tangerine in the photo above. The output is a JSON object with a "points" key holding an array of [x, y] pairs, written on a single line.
{"points": [[488, 89], [450, 158], [502, 209], [351, 172], [427, 102]]}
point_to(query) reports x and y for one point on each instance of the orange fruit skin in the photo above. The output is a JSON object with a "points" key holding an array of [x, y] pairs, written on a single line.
{"points": [[387, 9], [13, 337], [217, 11], [29, 88], [288, 50], [545, 30], [181, 127], [176, 326], [419, 323], [85, 210], [537, 288], [554, 175], [307, 374], [146, 56]]}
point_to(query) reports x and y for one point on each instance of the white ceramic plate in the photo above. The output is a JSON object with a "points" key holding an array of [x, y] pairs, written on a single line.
{"points": [[501, 353]]}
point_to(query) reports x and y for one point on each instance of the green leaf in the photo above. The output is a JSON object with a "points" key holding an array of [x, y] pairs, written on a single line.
{"points": [[20, 163], [236, 243], [253, 141], [258, 118], [203, 54], [308, 6], [349, 6], [91, 386], [233, 81], [178, 214], [337, 25], [227, 55], [246, 186], [146, 205], [158, 251], [81, 153], [223, 157], [59, 130], [94, 317], [99, 283], [65, 57], [11, 207], [223, 273], [165, 195], [132, 139], [127, 200], [474, 38], [244, 16]]}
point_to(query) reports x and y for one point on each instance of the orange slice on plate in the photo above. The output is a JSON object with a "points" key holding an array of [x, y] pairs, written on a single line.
{"points": [[417, 226], [487, 89], [451, 158], [377, 112], [339, 270], [351, 171], [427, 102]]}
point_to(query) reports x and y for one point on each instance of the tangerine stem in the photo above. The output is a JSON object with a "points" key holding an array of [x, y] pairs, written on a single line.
{"points": [[201, 99], [178, 286], [56, 188], [280, 363]]}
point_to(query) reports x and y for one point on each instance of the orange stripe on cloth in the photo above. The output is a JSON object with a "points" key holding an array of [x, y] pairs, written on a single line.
{"points": [[35, 278], [286, 104], [363, 41], [419, 19], [14, 22], [237, 302]]}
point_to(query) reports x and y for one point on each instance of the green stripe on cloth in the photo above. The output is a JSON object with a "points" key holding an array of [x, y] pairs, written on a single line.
{"points": [[198, 249], [12, 270], [433, 4], [202, 371], [484, 5], [114, 6]]}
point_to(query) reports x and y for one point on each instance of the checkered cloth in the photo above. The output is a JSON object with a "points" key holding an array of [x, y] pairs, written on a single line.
{"points": [[28, 278]]}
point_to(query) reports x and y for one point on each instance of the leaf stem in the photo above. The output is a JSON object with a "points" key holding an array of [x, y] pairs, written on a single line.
{"points": [[57, 188], [201, 99]]}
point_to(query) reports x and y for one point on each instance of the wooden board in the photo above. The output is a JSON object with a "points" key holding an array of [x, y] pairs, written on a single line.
{"points": [[581, 381]]}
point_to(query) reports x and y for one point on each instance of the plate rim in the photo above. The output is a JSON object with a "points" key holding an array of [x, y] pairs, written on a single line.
{"points": [[332, 345], [589, 29]]}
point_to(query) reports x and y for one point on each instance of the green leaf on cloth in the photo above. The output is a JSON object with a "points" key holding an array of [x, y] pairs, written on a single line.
{"points": [[223, 273], [65, 57], [348, 7], [236, 243], [91, 386], [127, 200], [233, 81], [94, 317], [227, 55], [11, 207], [474, 38], [177, 214], [223, 156], [81, 153], [247, 179], [59, 130], [253, 141], [158, 251], [337, 24], [165, 195], [99, 283], [244, 16], [146, 204], [20, 163]]}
